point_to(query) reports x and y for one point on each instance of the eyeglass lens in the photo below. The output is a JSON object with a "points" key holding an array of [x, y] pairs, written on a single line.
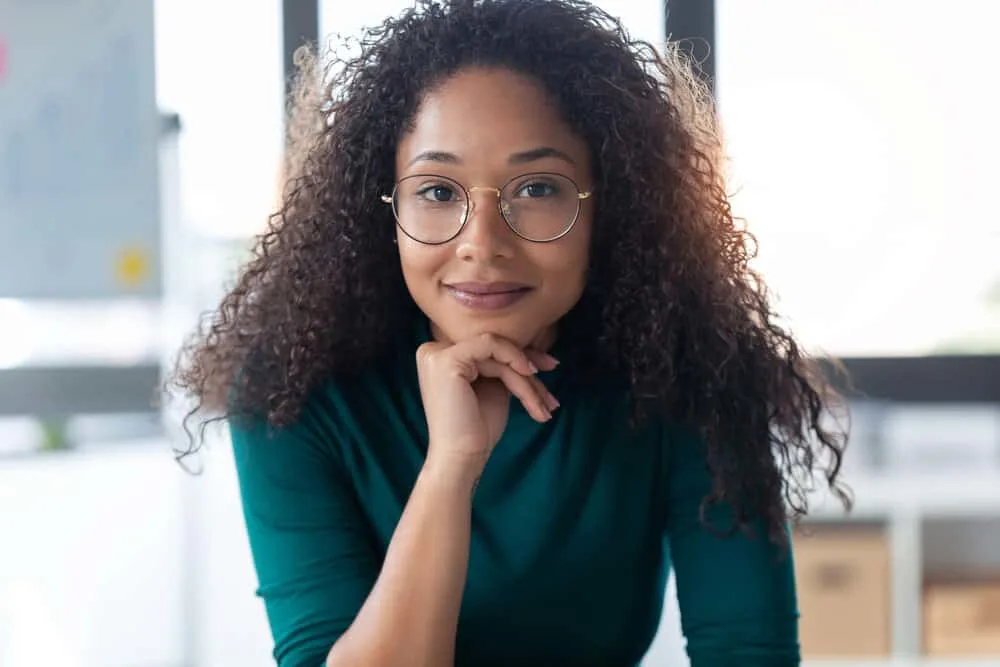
{"points": [[538, 207]]}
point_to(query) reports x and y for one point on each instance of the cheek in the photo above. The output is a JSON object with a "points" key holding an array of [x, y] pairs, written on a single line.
{"points": [[565, 267], [421, 265], [575, 258]]}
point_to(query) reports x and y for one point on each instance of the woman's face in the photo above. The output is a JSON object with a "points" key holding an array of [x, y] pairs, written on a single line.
{"points": [[482, 129]]}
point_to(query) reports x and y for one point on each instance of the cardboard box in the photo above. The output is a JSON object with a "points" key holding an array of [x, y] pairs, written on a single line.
{"points": [[842, 576], [962, 617]]}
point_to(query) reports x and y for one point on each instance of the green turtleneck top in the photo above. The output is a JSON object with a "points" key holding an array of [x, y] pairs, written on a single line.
{"points": [[576, 524]]}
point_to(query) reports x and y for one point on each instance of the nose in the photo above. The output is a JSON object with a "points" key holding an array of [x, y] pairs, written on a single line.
{"points": [[486, 235]]}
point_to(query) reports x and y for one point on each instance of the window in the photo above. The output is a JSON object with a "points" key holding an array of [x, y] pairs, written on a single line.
{"points": [[219, 66], [863, 138]]}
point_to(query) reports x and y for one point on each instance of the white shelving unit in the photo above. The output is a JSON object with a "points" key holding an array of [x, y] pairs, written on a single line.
{"points": [[888, 496], [904, 504]]}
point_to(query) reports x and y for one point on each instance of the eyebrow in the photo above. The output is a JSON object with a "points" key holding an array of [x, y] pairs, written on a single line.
{"points": [[522, 157], [538, 154]]}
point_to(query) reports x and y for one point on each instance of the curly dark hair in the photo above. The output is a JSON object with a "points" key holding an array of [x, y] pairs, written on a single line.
{"points": [[671, 303]]}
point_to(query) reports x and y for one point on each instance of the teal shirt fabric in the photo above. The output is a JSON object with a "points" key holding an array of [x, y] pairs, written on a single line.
{"points": [[576, 524]]}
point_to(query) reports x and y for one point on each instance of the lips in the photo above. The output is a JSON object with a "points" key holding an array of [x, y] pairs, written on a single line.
{"points": [[487, 296], [484, 289]]}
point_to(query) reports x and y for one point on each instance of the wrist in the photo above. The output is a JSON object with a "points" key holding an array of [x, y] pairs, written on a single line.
{"points": [[459, 477]]}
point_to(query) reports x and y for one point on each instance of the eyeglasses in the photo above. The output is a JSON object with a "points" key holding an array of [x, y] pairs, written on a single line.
{"points": [[539, 207]]}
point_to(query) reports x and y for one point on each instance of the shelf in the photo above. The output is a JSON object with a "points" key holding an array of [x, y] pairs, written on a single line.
{"points": [[939, 494], [80, 389]]}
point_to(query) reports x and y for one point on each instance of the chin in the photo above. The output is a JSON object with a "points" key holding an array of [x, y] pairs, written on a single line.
{"points": [[519, 332]]}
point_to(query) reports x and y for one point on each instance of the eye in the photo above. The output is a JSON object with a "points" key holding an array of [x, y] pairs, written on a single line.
{"points": [[437, 193], [537, 189]]}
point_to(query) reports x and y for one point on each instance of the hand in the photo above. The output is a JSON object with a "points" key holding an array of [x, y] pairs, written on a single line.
{"points": [[466, 390]]}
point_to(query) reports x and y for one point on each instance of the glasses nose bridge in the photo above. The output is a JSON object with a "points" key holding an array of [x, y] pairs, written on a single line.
{"points": [[475, 188], [488, 188]]}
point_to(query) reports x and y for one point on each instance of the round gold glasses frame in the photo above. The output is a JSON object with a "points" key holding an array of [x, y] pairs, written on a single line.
{"points": [[580, 196]]}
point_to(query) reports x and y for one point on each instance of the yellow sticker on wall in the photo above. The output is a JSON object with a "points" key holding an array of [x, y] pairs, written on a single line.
{"points": [[132, 266]]}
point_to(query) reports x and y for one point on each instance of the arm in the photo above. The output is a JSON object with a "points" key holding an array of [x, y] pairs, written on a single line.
{"points": [[318, 568], [737, 593], [411, 616]]}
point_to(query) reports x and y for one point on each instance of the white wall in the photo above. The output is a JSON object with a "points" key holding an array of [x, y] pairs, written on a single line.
{"points": [[89, 564]]}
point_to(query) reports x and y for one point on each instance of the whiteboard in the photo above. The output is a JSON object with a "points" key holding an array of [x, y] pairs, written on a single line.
{"points": [[79, 133]]}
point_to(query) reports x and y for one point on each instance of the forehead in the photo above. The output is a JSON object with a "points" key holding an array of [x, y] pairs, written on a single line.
{"points": [[487, 112]]}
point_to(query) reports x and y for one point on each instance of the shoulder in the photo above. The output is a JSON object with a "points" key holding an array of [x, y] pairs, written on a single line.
{"points": [[339, 407]]}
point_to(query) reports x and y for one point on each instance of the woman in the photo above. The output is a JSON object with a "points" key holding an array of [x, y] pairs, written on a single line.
{"points": [[500, 363]]}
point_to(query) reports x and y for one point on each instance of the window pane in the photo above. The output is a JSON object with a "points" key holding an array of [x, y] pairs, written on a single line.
{"points": [[219, 66], [863, 136]]}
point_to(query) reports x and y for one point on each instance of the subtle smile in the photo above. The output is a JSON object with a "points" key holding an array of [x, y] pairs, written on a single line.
{"points": [[487, 296]]}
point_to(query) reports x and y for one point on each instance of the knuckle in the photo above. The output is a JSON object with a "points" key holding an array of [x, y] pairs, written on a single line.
{"points": [[425, 352]]}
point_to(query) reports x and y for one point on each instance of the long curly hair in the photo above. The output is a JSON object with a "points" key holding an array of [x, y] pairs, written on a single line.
{"points": [[671, 304]]}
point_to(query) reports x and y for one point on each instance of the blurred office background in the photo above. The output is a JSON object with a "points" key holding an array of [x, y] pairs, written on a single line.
{"points": [[140, 145]]}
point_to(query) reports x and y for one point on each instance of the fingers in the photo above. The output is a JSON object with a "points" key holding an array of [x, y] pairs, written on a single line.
{"points": [[492, 356], [491, 347], [543, 361], [524, 361], [551, 402], [528, 389]]}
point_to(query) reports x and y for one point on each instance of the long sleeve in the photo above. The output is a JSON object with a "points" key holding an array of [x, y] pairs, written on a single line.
{"points": [[315, 563], [737, 593]]}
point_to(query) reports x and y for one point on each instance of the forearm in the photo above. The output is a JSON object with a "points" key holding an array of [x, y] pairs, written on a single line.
{"points": [[411, 614]]}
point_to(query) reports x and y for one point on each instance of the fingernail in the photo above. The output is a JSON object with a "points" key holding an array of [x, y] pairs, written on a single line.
{"points": [[555, 362], [533, 367]]}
